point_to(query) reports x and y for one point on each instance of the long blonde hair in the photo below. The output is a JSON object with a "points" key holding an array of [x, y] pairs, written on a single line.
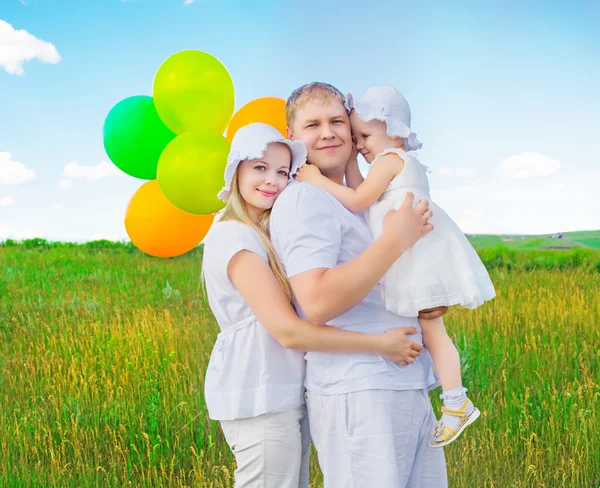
{"points": [[237, 211]]}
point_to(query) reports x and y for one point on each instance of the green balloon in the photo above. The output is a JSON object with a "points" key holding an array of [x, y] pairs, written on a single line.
{"points": [[194, 92], [134, 136], [191, 171]]}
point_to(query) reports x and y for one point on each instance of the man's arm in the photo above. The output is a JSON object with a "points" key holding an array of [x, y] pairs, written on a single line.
{"points": [[325, 293]]}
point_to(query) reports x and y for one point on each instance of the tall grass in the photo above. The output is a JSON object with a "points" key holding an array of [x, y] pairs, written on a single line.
{"points": [[103, 352]]}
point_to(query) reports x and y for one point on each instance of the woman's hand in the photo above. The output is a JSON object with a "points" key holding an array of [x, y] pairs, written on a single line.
{"points": [[398, 348], [309, 173]]}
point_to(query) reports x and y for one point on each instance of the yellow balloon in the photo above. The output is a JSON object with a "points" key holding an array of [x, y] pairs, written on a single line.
{"points": [[268, 110], [193, 91], [191, 171], [159, 228]]}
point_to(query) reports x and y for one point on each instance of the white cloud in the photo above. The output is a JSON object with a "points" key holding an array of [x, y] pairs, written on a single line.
{"points": [[13, 172], [473, 213], [528, 165], [57, 206], [460, 172], [6, 202], [7, 232], [188, 2], [63, 183], [468, 189], [90, 173], [19, 46]]}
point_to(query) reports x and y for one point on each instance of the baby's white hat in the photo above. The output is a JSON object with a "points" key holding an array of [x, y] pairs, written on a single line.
{"points": [[250, 142], [387, 104]]}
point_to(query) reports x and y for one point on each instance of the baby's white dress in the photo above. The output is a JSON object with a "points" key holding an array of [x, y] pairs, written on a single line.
{"points": [[442, 268]]}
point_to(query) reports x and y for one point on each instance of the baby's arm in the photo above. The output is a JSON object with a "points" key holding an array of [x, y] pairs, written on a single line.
{"points": [[367, 193], [353, 176]]}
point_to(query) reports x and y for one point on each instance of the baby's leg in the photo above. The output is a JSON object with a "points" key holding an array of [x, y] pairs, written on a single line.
{"points": [[443, 352], [447, 365]]}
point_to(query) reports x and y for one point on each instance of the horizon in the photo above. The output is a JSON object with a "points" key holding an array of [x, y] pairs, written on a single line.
{"points": [[127, 240]]}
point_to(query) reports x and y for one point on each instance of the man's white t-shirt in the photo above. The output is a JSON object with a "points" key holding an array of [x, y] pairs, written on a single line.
{"points": [[249, 372], [311, 229]]}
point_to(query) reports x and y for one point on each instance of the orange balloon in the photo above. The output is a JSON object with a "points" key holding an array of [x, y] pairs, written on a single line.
{"points": [[158, 227], [268, 110]]}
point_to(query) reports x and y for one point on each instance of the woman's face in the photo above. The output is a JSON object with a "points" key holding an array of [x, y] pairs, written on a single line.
{"points": [[260, 181]]}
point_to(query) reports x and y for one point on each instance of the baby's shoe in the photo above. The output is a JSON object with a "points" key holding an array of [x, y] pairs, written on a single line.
{"points": [[453, 423]]}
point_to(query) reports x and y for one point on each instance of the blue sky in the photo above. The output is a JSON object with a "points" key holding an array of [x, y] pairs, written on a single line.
{"points": [[504, 97]]}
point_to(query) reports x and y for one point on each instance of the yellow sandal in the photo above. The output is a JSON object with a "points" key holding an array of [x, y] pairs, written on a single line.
{"points": [[448, 434]]}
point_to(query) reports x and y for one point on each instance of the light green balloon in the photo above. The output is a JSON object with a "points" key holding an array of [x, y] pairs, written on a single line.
{"points": [[191, 171], [193, 91]]}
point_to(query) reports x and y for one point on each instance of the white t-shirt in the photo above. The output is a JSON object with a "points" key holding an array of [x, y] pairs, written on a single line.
{"points": [[249, 372], [311, 229]]}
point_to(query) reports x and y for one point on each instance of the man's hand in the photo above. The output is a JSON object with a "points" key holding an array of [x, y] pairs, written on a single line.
{"points": [[398, 348], [432, 313], [407, 224], [309, 173]]}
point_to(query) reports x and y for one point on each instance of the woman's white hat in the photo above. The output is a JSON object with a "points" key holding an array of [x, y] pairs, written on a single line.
{"points": [[387, 104], [250, 142]]}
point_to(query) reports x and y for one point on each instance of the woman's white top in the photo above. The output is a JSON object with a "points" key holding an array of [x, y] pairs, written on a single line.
{"points": [[249, 372], [442, 268]]}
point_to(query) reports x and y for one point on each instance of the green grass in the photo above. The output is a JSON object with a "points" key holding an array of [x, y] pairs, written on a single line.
{"points": [[103, 352], [586, 239], [484, 241], [593, 242]]}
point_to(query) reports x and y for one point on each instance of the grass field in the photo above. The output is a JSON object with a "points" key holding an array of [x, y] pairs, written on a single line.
{"points": [[103, 352]]}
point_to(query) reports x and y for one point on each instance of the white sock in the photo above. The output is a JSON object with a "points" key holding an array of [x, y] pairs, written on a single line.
{"points": [[454, 399]]}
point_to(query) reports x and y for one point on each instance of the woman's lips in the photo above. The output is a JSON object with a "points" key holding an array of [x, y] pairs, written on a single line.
{"points": [[268, 194]]}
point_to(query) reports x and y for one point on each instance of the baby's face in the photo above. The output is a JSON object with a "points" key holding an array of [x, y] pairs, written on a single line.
{"points": [[371, 137]]}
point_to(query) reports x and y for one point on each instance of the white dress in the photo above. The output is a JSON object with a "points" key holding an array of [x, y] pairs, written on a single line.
{"points": [[442, 268]]}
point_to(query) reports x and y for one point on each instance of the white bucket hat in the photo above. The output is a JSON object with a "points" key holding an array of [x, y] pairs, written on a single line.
{"points": [[250, 142], [387, 104]]}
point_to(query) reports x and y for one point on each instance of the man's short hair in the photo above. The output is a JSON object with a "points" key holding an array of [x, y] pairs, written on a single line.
{"points": [[311, 91]]}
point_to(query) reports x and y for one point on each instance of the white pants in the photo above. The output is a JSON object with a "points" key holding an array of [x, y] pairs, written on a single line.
{"points": [[376, 438], [271, 450]]}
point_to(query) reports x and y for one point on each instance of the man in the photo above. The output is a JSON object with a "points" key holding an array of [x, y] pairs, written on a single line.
{"points": [[370, 420]]}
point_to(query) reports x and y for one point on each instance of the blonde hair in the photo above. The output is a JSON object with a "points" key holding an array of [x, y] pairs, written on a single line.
{"points": [[237, 211], [311, 91]]}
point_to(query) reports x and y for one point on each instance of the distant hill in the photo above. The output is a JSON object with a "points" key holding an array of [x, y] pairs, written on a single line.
{"points": [[589, 239]]}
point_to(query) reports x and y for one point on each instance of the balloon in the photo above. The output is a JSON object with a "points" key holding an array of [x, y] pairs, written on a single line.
{"points": [[191, 171], [193, 92], [134, 136], [159, 228], [268, 110]]}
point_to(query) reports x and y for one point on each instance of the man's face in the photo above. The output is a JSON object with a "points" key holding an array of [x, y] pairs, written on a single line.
{"points": [[325, 129]]}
